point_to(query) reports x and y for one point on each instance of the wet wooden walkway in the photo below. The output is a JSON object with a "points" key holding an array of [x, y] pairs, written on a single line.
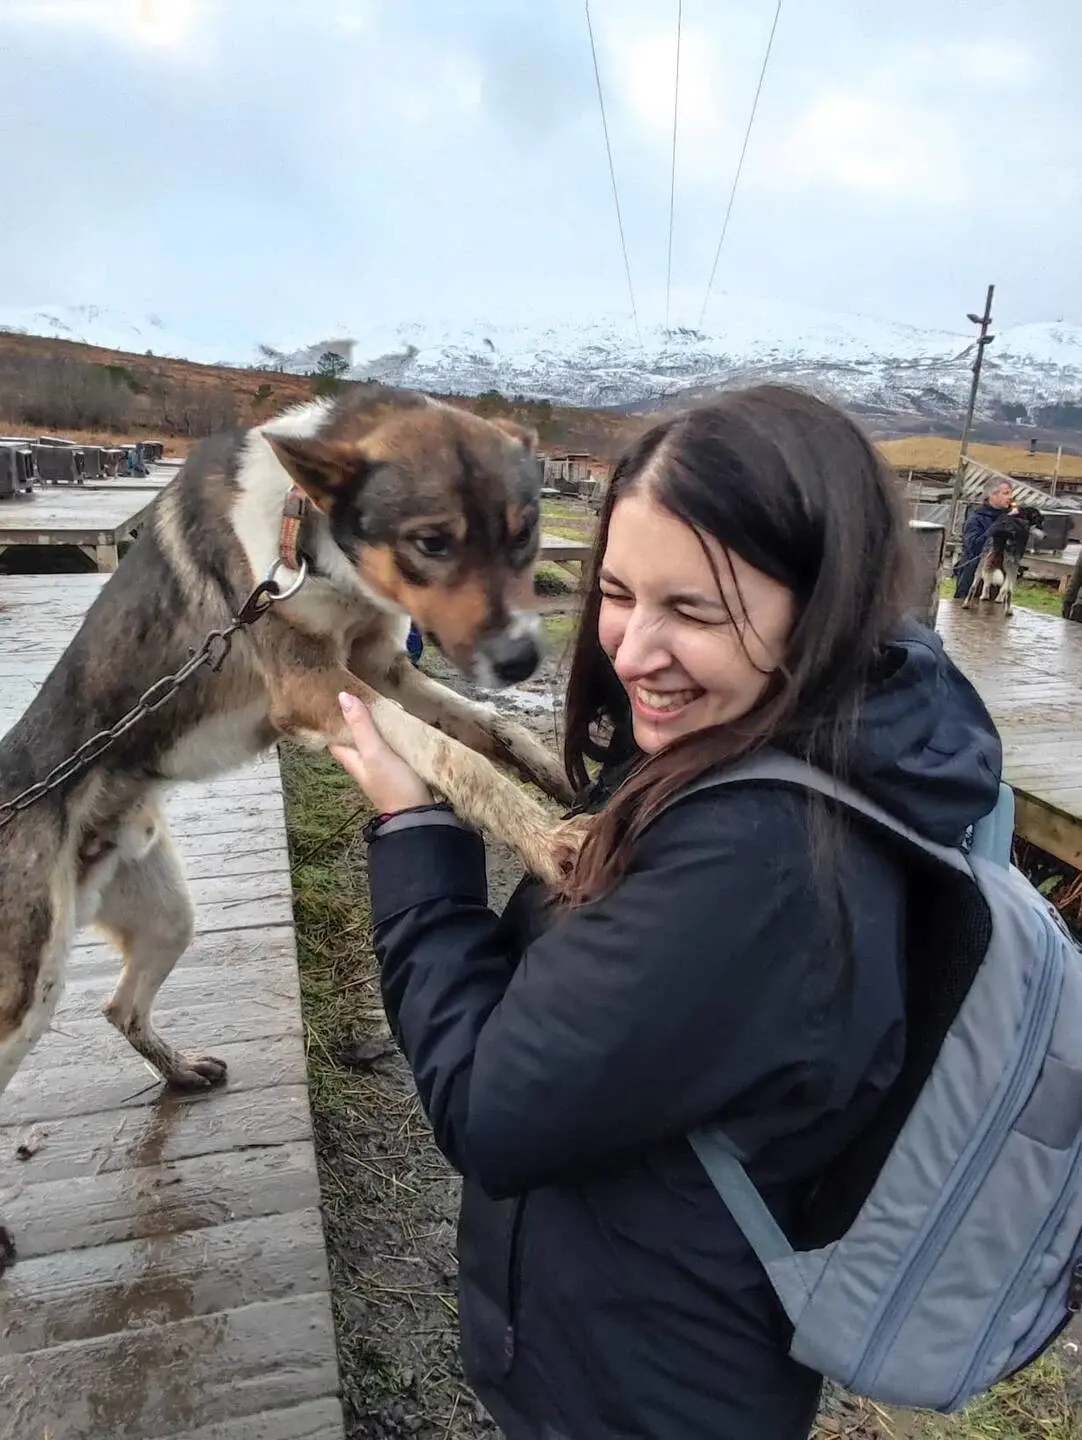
{"points": [[172, 1277], [1028, 671]]}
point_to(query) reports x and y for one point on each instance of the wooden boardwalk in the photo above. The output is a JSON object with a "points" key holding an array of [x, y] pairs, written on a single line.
{"points": [[559, 550], [94, 518], [1028, 671], [172, 1276]]}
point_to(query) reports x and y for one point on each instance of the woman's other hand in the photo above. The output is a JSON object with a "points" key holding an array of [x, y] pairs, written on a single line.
{"points": [[384, 777]]}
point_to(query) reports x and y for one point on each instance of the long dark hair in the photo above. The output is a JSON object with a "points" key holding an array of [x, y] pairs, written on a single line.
{"points": [[791, 485]]}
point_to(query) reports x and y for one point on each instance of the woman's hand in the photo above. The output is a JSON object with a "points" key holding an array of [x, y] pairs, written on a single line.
{"points": [[386, 779]]}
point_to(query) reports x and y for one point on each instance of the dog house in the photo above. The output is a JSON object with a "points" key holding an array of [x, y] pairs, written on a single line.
{"points": [[93, 462], [16, 470], [111, 458], [59, 464], [1055, 532], [929, 543]]}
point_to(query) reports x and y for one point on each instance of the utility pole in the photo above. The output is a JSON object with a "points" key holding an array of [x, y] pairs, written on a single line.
{"points": [[984, 339]]}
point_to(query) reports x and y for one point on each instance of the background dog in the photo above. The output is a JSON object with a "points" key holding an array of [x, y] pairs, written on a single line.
{"points": [[394, 506], [1003, 550]]}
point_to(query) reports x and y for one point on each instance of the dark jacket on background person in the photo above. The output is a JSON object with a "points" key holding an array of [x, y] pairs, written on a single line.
{"points": [[604, 1291], [974, 533]]}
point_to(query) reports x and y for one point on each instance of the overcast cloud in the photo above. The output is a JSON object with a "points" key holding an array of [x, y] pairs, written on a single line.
{"points": [[271, 170]]}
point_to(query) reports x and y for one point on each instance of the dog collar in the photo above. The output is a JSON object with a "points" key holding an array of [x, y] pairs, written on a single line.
{"points": [[294, 512]]}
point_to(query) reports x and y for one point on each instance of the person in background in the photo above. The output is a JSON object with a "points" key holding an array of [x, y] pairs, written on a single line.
{"points": [[1072, 596], [415, 645], [997, 501], [736, 956]]}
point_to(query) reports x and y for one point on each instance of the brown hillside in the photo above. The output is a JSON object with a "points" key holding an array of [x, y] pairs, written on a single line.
{"points": [[95, 394], [930, 452], [98, 394]]}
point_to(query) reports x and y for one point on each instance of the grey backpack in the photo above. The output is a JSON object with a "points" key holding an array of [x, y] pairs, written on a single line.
{"points": [[954, 1249]]}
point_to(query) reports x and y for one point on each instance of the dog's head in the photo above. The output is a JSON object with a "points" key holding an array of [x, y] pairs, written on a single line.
{"points": [[1033, 518], [1013, 531], [438, 513]]}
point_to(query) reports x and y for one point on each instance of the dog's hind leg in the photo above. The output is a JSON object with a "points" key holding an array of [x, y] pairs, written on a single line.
{"points": [[1010, 568], [147, 912], [34, 943]]}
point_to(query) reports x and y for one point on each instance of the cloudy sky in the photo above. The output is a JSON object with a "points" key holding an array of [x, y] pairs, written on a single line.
{"points": [[280, 169]]}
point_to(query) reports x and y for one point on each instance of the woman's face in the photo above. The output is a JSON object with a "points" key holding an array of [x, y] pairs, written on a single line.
{"points": [[688, 655]]}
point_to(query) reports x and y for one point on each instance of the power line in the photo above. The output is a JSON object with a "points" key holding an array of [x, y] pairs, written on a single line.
{"points": [[740, 163], [612, 176], [672, 174]]}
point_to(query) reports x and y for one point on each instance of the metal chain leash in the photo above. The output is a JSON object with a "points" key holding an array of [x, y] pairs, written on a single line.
{"points": [[212, 652]]}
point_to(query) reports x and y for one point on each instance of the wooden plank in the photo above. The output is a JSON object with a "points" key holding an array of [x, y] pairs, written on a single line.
{"points": [[1028, 671], [186, 1195], [154, 1382], [1049, 829], [194, 1014], [266, 952], [315, 1420], [559, 550], [71, 515], [109, 1080], [104, 1289], [177, 1128], [172, 1279]]}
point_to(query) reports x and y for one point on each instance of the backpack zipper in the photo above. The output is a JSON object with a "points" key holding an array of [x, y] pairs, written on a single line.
{"points": [[1023, 1275], [960, 1195]]}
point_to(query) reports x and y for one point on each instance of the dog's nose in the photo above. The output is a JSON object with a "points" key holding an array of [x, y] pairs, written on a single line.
{"points": [[513, 657]]}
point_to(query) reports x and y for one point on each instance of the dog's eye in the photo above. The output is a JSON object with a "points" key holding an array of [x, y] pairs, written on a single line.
{"points": [[433, 544]]}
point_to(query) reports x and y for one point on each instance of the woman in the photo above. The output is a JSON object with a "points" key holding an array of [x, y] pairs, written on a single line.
{"points": [[736, 959]]}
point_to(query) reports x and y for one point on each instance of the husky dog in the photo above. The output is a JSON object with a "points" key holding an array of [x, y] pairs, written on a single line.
{"points": [[1003, 550], [370, 511]]}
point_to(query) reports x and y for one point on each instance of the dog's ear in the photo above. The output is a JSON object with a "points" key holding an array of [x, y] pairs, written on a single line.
{"points": [[526, 435], [322, 468]]}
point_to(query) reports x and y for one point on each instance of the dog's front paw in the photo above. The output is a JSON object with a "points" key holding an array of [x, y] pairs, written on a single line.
{"points": [[567, 841], [196, 1072]]}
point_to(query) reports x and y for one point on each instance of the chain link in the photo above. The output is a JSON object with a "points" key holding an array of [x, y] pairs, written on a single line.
{"points": [[212, 652]]}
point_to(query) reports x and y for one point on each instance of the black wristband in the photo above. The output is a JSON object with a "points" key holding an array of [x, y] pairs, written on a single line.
{"points": [[372, 828]]}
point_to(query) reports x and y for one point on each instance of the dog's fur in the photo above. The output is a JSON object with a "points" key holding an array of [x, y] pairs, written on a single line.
{"points": [[1003, 550], [419, 509]]}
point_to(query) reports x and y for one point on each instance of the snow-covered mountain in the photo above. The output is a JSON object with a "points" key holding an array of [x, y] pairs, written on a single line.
{"points": [[874, 364]]}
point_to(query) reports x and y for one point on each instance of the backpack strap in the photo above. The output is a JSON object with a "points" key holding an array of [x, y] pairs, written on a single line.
{"points": [[719, 1158], [788, 770], [994, 832], [715, 1151]]}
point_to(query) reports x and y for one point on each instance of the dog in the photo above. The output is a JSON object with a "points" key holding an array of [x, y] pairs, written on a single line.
{"points": [[373, 510], [1003, 550]]}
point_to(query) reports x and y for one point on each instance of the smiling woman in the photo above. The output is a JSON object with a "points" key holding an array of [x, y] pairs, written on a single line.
{"points": [[705, 967], [693, 632]]}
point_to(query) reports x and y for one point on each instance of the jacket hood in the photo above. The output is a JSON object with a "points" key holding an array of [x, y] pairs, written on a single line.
{"points": [[926, 748]]}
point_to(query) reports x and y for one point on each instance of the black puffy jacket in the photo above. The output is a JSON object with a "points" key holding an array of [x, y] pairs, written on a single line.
{"points": [[604, 1290]]}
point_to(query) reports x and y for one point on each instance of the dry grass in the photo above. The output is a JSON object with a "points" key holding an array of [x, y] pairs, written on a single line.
{"points": [[175, 446], [1042, 1403], [932, 452]]}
